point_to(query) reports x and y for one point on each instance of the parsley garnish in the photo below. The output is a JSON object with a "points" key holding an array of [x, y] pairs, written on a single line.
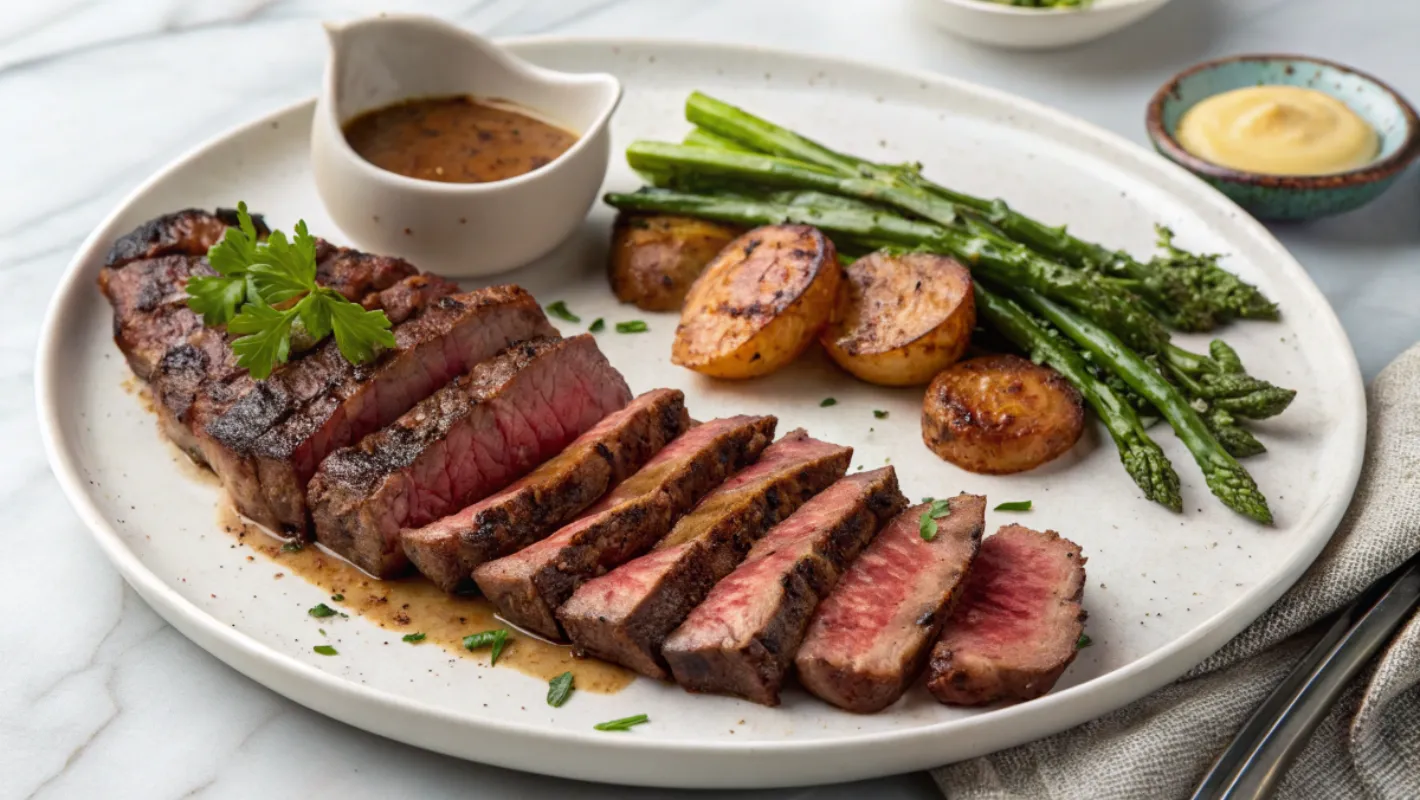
{"points": [[559, 689], [325, 650], [878, 413], [337, 597], [928, 526], [559, 310], [623, 724], [826, 402], [1014, 505], [414, 637], [293, 546], [322, 610], [496, 639], [1083, 642], [598, 325], [267, 292], [634, 326]]}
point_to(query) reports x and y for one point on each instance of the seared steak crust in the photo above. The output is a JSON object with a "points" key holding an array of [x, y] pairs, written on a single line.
{"points": [[189, 232], [460, 444], [743, 638], [528, 586], [447, 551], [280, 429], [1018, 624], [869, 639], [626, 615]]}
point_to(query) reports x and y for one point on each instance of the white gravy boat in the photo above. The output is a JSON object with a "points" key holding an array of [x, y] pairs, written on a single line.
{"points": [[455, 229]]}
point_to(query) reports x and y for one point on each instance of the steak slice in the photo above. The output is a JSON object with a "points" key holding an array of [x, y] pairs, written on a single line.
{"points": [[528, 586], [447, 551], [460, 444], [869, 639], [268, 443], [190, 232], [742, 639], [1018, 624], [625, 615], [150, 313]]}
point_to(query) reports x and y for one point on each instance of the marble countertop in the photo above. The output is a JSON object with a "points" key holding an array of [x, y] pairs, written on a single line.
{"points": [[98, 696]]}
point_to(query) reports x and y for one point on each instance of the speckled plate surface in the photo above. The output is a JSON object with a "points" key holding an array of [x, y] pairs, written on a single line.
{"points": [[1164, 590]]}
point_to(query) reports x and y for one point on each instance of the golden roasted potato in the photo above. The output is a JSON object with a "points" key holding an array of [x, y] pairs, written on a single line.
{"points": [[656, 257], [762, 300], [1001, 414], [901, 319]]}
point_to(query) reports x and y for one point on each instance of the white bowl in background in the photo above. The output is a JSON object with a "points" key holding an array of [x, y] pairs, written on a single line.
{"points": [[461, 230], [1034, 28]]}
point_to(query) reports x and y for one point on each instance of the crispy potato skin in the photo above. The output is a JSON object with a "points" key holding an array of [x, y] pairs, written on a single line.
{"points": [[901, 319], [1001, 414], [655, 258], [759, 304]]}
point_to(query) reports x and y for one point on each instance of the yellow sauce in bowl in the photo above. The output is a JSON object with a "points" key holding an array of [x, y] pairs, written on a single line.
{"points": [[1278, 130]]}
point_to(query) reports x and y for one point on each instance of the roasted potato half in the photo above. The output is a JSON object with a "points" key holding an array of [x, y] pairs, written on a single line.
{"points": [[901, 319], [1001, 414], [763, 299], [656, 257]]}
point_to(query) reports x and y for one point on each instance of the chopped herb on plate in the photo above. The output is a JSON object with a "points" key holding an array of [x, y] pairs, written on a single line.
{"points": [[878, 413], [293, 546], [826, 402], [496, 639], [325, 650], [633, 326], [337, 597], [559, 689], [598, 325], [1015, 505], [322, 610], [413, 638], [623, 724], [928, 525], [1083, 642], [559, 310]]}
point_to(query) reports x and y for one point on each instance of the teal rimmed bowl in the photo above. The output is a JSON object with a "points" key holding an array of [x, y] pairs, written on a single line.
{"points": [[1291, 197]]}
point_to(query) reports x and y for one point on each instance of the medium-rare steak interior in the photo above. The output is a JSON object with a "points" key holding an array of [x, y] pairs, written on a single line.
{"points": [[447, 551], [743, 638], [868, 641], [1018, 624], [467, 440], [625, 615], [268, 443], [528, 586]]}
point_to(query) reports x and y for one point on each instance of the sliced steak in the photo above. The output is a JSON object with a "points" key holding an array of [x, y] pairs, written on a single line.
{"points": [[150, 313], [869, 639], [267, 443], [528, 586], [447, 551], [625, 615], [1018, 624], [190, 232], [460, 444], [742, 639]]}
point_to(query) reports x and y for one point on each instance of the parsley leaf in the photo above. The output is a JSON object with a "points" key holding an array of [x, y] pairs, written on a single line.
{"points": [[827, 401], [1083, 642], [1015, 505], [559, 689], [623, 724], [412, 638], [358, 333], [936, 509], [634, 326], [293, 546], [266, 341], [325, 650], [216, 297], [598, 325], [337, 597], [322, 610], [559, 309], [496, 639], [879, 414]]}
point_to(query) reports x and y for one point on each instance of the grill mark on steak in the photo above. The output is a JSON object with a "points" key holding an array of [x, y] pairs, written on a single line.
{"points": [[528, 586], [447, 551], [190, 232], [870, 637], [460, 444], [279, 430], [1018, 623], [742, 639], [150, 313], [626, 615]]}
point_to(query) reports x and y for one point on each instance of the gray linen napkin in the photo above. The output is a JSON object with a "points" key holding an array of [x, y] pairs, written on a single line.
{"points": [[1369, 746]]}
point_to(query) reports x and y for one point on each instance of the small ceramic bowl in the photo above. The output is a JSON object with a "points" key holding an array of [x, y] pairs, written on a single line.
{"points": [[455, 229], [1291, 197], [1025, 28]]}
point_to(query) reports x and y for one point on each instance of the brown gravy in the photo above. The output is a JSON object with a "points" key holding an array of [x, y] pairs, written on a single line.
{"points": [[455, 140], [414, 605]]}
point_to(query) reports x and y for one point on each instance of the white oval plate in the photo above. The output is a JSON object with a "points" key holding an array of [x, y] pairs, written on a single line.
{"points": [[1164, 590]]}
